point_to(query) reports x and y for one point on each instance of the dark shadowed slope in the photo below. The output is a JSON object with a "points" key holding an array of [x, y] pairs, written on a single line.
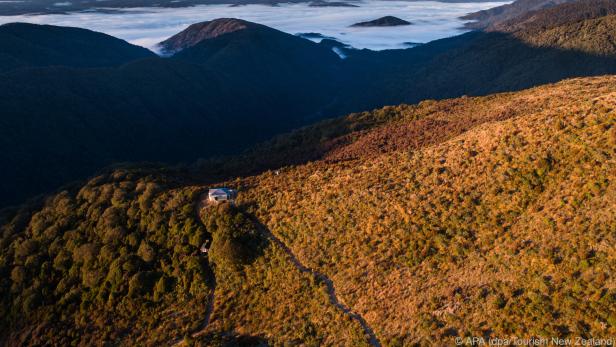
{"points": [[289, 73], [29, 45], [477, 63], [61, 123]]}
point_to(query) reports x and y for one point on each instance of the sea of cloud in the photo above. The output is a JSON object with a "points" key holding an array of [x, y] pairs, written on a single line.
{"points": [[148, 26]]}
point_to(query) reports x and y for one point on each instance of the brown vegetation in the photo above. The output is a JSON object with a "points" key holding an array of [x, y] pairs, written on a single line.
{"points": [[505, 229]]}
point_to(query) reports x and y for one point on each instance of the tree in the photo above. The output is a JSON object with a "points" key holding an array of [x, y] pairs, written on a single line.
{"points": [[146, 252]]}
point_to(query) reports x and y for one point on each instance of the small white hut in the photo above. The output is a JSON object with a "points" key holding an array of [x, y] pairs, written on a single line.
{"points": [[221, 194], [205, 247]]}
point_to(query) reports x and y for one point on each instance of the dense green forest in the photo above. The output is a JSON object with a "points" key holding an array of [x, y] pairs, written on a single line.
{"points": [[97, 265]]}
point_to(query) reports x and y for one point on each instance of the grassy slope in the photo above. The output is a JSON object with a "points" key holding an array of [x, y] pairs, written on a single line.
{"points": [[507, 212]]}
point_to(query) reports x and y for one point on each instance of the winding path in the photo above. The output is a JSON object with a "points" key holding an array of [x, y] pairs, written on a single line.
{"points": [[212, 279], [208, 310], [331, 290], [206, 319]]}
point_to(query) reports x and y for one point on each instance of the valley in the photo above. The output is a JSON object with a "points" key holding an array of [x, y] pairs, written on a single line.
{"points": [[245, 82]]}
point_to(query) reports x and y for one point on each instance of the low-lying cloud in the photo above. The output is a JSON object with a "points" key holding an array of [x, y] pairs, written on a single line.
{"points": [[148, 26]]}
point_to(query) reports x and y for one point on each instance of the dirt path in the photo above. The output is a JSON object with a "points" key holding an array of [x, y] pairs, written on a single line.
{"points": [[331, 290], [211, 278], [208, 310]]}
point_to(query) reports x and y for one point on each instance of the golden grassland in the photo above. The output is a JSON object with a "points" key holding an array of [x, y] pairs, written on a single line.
{"points": [[496, 218]]}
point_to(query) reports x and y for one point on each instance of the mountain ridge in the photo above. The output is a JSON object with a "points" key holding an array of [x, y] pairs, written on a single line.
{"points": [[474, 205], [198, 32], [485, 18], [485, 214], [33, 45]]}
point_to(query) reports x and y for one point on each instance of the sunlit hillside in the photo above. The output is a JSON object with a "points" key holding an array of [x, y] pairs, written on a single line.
{"points": [[412, 224], [500, 224]]}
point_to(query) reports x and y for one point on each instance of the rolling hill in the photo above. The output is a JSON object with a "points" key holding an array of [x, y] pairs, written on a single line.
{"points": [[287, 72], [415, 224], [485, 18], [233, 84], [572, 12], [199, 32], [62, 121], [564, 41], [28, 45], [458, 211]]}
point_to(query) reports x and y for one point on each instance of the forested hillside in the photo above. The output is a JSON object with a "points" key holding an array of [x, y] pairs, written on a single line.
{"points": [[117, 262], [414, 224], [571, 12], [62, 123], [486, 18], [27, 45]]}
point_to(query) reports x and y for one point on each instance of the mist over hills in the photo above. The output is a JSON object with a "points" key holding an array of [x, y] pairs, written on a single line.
{"points": [[543, 47], [33, 7], [46, 6]]}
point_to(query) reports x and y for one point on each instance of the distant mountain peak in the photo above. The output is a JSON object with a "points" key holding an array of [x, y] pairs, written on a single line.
{"points": [[387, 21], [199, 32]]}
